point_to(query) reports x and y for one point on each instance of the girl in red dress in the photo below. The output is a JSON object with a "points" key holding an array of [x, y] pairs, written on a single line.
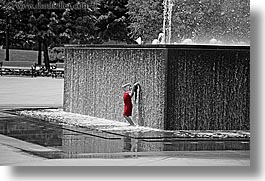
{"points": [[127, 97]]}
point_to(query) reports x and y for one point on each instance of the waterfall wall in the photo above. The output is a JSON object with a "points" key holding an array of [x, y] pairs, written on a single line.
{"points": [[208, 88], [182, 86], [94, 76]]}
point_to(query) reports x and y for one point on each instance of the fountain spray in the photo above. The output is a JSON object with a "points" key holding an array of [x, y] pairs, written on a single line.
{"points": [[168, 4]]}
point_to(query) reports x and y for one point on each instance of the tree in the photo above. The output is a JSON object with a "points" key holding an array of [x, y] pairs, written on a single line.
{"points": [[146, 19], [237, 20], [55, 27], [78, 25], [7, 12], [112, 21], [199, 20], [203, 20]]}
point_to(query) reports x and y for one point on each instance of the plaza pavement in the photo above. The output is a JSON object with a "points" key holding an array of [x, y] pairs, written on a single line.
{"points": [[16, 92], [30, 92]]}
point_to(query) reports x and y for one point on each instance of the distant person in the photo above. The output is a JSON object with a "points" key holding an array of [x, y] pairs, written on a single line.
{"points": [[139, 41], [127, 97], [161, 38]]}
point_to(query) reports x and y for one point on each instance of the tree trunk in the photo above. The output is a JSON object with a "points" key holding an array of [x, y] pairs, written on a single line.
{"points": [[39, 53], [7, 39], [46, 55]]}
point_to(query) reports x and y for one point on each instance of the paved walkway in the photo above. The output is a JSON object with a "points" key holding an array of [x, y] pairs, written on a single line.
{"points": [[46, 92], [12, 154]]}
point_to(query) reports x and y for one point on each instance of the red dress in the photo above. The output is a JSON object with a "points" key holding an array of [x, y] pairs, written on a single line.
{"points": [[127, 104]]}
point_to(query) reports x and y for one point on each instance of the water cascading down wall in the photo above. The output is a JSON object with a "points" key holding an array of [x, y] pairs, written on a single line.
{"points": [[183, 87]]}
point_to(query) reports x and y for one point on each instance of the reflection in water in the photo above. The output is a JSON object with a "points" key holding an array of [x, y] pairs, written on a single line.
{"points": [[32, 132], [74, 144], [205, 145], [129, 144], [77, 143]]}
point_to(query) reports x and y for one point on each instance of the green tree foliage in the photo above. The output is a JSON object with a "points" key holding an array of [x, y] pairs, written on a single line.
{"points": [[146, 18], [199, 20], [42, 29], [237, 20], [8, 19], [112, 21], [50, 27], [78, 25], [123, 21], [228, 21]]}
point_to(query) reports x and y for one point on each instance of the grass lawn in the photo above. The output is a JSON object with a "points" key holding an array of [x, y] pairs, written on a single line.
{"points": [[20, 55]]}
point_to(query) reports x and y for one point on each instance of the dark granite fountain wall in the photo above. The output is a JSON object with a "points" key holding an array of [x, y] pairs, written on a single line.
{"points": [[182, 86], [208, 88]]}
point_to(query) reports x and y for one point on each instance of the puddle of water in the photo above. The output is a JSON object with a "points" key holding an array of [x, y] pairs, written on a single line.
{"points": [[76, 142]]}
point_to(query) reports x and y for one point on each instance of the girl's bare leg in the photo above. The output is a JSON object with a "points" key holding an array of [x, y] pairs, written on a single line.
{"points": [[129, 120]]}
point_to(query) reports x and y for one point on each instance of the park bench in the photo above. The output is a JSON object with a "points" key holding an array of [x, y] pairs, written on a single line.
{"points": [[17, 68], [58, 70]]}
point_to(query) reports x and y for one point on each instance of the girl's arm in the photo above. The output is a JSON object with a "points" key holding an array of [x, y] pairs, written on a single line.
{"points": [[123, 86]]}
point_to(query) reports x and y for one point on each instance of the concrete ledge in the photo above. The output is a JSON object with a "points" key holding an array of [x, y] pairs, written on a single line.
{"points": [[177, 46]]}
